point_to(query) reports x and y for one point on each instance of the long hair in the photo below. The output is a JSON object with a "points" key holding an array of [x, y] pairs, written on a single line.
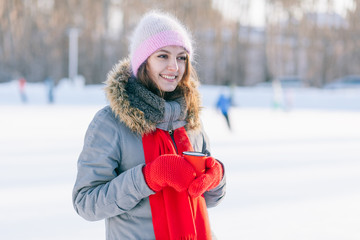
{"points": [[186, 87]]}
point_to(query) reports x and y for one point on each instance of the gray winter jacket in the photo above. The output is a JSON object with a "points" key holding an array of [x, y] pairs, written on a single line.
{"points": [[110, 184]]}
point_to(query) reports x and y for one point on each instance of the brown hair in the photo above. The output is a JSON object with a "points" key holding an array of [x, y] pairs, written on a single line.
{"points": [[186, 87]]}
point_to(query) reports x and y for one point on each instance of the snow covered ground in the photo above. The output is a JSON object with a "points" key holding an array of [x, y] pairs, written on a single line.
{"points": [[291, 174]]}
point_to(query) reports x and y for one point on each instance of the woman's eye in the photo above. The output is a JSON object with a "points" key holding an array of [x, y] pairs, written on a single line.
{"points": [[182, 58], [162, 56]]}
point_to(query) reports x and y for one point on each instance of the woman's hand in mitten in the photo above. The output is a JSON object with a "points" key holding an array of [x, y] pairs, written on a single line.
{"points": [[208, 180], [169, 170]]}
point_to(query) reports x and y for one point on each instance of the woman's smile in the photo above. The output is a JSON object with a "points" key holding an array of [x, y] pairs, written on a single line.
{"points": [[168, 77]]}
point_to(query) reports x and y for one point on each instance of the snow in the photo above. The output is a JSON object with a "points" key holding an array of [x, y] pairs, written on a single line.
{"points": [[290, 174]]}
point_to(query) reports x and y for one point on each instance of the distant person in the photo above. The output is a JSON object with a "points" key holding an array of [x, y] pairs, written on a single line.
{"points": [[223, 104], [282, 98], [277, 94], [49, 82], [22, 85], [131, 171]]}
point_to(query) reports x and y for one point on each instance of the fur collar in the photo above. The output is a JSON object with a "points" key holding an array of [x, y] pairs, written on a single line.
{"points": [[131, 116]]}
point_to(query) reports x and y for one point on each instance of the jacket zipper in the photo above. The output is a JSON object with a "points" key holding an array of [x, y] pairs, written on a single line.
{"points": [[171, 133], [170, 130]]}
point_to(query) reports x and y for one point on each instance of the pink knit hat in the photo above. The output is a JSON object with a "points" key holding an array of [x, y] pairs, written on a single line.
{"points": [[154, 31]]}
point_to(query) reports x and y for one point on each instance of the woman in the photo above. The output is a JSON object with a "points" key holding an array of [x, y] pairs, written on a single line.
{"points": [[131, 171]]}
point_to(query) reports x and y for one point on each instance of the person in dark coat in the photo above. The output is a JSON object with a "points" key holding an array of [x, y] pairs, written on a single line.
{"points": [[49, 82]]}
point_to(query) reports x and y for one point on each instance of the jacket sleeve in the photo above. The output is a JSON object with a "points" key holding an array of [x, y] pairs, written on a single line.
{"points": [[100, 191], [214, 196]]}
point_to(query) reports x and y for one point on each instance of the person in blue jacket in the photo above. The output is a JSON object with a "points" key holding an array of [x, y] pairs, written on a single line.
{"points": [[223, 104]]}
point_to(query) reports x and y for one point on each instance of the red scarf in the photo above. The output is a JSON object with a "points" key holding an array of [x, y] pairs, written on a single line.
{"points": [[175, 215]]}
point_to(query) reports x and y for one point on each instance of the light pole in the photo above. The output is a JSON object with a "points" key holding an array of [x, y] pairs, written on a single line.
{"points": [[73, 53]]}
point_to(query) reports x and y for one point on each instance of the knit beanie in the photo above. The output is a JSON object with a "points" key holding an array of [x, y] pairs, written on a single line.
{"points": [[154, 31]]}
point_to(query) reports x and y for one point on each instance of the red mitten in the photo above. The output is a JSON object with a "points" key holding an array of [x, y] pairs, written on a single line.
{"points": [[169, 170], [207, 181]]}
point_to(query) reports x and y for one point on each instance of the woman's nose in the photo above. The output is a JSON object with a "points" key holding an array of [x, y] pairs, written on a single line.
{"points": [[173, 65]]}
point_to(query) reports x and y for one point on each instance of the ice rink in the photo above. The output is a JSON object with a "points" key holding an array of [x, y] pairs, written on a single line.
{"points": [[291, 175]]}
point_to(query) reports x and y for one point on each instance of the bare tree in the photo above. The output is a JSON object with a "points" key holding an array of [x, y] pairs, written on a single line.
{"points": [[296, 40]]}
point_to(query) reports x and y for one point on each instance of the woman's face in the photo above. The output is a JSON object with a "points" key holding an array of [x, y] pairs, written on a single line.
{"points": [[166, 67]]}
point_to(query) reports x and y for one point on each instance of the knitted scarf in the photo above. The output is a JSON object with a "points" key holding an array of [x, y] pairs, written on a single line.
{"points": [[151, 104], [175, 215]]}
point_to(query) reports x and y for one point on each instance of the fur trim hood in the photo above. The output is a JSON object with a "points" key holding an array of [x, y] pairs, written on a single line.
{"points": [[131, 116]]}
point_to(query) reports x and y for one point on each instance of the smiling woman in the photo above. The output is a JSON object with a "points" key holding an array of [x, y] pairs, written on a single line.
{"points": [[166, 67], [131, 170], [168, 73]]}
